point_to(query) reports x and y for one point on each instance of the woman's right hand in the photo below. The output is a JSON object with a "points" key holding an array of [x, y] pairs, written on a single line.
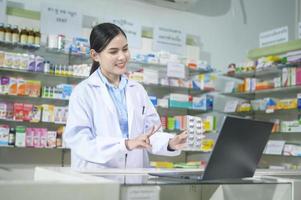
{"points": [[142, 141]]}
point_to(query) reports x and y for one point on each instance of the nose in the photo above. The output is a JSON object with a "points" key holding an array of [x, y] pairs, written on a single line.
{"points": [[121, 56]]}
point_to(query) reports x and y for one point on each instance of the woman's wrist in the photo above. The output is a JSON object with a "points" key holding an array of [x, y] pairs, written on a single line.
{"points": [[169, 148]]}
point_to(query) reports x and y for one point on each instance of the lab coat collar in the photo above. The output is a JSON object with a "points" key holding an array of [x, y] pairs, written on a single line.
{"points": [[94, 80]]}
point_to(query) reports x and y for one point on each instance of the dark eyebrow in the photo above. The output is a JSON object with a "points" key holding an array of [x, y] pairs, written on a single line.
{"points": [[114, 49]]}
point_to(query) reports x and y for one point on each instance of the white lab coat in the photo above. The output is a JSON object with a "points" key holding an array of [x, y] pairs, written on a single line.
{"points": [[93, 132]]}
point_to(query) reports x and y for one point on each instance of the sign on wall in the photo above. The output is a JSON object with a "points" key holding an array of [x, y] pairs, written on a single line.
{"points": [[272, 37], [169, 39], [132, 31], [299, 28], [2, 11], [56, 19]]}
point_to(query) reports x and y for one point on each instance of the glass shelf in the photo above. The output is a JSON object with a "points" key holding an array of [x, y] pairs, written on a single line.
{"points": [[79, 78], [34, 99], [177, 89], [195, 150], [35, 148], [251, 95], [276, 112], [270, 72], [193, 72], [41, 51], [178, 111], [286, 133], [291, 137], [296, 88], [31, 124], [276, 155], [244, 95]]}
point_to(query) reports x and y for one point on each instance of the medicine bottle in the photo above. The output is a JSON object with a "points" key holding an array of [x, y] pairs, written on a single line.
{"points": [[11, 136], [30, 39], [23, 36], [2, 31], [8, 34], [15, 35], [37, 38]]}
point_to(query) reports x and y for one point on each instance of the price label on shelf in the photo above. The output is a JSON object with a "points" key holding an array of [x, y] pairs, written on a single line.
{"points": [[2, 11]]}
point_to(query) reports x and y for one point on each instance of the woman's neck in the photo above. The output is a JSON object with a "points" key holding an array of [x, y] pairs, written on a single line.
{"points": [[112, 78]]}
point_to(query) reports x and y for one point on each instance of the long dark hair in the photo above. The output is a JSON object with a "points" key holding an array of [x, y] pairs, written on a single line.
{"points": [[101, 35]]}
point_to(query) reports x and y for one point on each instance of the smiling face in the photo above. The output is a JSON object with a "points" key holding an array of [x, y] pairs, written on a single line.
{"points": [[114, 57]]}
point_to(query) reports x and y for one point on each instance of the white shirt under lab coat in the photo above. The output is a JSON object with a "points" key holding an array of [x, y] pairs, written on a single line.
{"points": [[93, 131]]}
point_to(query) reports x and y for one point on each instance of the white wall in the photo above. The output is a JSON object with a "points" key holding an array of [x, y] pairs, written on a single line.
{"points": [[224, 39]]}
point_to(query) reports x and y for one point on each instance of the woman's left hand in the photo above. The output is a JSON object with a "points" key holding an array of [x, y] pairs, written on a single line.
{"points": [[179, 141]]}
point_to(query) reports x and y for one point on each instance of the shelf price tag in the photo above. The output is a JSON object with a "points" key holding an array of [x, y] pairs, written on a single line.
{"points": [[56, 19], [2, 11]]}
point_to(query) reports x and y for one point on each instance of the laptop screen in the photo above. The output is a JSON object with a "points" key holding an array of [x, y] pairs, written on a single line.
{"points": [[238, 149]]}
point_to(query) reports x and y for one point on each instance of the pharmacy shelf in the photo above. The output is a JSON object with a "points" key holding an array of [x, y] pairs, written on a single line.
{"points": [[291, 137], [33, 100], [179, 111], [178, 89], [78, 79], [195, 150], [193, 72], [243, 95], [281, 155], [56, 55], [296, 88], [277, 49], [272, 71], [37, 148], [34, 156], [41, 51], [48, 125], [251, 95], [47, 75], [8, 45], [276, 112]]}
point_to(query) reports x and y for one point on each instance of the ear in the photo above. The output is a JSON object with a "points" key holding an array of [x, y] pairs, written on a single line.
{"points": [[94, 55]]}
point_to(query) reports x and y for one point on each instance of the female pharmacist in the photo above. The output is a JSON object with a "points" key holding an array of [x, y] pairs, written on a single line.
{"points": [[112, 122]]}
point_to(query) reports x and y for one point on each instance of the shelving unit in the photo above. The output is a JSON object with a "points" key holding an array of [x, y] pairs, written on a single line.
{"points": [[62, 156], [280, 93]]}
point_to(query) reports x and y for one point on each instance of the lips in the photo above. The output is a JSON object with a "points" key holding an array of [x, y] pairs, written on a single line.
{"points": [[121, 65]]}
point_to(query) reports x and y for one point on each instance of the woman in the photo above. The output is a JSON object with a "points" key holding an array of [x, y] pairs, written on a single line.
{"points": [[112, 122]]}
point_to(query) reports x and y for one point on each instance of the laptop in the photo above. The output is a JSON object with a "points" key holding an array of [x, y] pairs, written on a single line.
{"points": [[236, 153]]}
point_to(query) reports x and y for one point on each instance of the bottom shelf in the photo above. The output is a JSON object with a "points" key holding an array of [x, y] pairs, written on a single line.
{"points": [[34, 156], [288, 162]]}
